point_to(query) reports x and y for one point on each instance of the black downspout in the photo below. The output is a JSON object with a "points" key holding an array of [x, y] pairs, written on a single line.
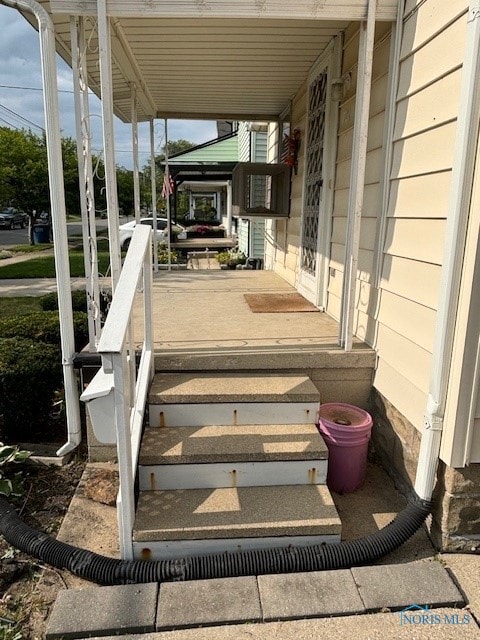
{"points": [[110, 571]]}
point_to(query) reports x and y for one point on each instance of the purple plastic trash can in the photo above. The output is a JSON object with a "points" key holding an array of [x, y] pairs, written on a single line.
{"points": [[346, 430]]}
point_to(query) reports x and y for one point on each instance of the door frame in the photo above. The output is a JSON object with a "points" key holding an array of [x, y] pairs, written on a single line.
{"points": [[315, 287]]}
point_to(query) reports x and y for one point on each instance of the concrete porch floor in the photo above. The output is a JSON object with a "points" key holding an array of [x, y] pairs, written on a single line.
{"points": [[205, 311]]}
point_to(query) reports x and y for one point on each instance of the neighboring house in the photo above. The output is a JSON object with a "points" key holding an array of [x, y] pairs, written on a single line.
{"points": [[204, 173], [198, 172], [252, 147], [383, 233]]}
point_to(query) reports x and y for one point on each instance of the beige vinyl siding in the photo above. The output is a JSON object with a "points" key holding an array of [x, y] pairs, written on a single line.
{"points": [[423, 144], [373, 173], [416, 239], [288, 232], [425, 195], [400, 391]]}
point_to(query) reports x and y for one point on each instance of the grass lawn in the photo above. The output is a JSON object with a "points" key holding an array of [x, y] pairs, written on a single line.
{"points": [[44, 267], [30, 248], [18, 306]]}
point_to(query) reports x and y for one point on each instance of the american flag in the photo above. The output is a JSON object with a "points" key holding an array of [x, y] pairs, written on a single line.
{"points": [[168, 185]]}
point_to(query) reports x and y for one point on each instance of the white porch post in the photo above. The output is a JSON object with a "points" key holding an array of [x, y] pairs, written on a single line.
{"points": [[153, 178], [357, 176], [59, 217], [229, 209], [104, 43], [136, 179], [85, 179], [167, 201]]}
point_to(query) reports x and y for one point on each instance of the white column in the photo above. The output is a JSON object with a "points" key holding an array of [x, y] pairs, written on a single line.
{"points": [[357, 176], [153, 178], [136, 177], [229, 209], [167, 203], [85, 178], [59, 216], [104, 44]]}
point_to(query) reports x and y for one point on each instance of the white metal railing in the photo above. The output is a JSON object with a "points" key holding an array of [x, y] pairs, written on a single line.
{"points": [[130, 386]]}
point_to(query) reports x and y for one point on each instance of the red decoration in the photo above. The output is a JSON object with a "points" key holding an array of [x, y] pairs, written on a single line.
{"points": [[291, 147]]}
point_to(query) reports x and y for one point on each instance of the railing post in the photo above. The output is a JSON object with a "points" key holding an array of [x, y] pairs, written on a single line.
{"points": [[130, 389], [148, 303], [126, 502]]}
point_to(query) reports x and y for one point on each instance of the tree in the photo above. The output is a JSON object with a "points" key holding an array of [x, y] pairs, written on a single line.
{"points": [[125, 190], [24, 171]]}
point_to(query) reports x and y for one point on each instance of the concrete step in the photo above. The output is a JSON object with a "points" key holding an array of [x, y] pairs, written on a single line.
{"points": [[226, 456], [232, 399], [172, 524]]}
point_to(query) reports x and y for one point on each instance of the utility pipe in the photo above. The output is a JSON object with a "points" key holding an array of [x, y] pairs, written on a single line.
{"points": [[455, 235], [59, 218], [255, 562]]}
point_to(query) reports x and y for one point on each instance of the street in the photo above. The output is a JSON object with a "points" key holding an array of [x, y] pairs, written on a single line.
{"points": [[12, 237]]}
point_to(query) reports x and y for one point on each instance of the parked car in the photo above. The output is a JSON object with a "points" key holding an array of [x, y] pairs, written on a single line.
{"points": [[126, 231], [11, 218]]}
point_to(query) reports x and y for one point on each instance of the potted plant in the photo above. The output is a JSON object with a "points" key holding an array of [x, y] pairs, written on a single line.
{"points": [[231, 258]]}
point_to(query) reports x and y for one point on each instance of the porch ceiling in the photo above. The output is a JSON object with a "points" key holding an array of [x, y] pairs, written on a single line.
{"points": [[192, 66]]}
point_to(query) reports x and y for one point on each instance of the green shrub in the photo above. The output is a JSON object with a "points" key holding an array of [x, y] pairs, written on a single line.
{"points": [[49, 302], [30, 373], [11, 482], [44, 326], [163, 255]]}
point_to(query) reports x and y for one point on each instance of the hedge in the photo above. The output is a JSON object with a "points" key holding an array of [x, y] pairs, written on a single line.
{"points": [[49, 302], [44, 326], [30, 373]]}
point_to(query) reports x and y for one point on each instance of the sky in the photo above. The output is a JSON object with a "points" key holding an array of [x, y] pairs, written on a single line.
{"points": [[21, 98]]}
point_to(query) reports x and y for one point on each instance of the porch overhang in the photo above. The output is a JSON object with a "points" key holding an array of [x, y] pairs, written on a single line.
{"points": [[211, 59]]}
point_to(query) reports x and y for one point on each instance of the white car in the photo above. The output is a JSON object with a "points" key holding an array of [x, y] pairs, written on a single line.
{"points": [[126, 231]]}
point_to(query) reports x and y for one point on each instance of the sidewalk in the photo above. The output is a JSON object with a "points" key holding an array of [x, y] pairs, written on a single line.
{"points": [[364, 602]]}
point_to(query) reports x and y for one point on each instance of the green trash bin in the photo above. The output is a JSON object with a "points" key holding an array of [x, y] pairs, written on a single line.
{"points": [[41, 233]]}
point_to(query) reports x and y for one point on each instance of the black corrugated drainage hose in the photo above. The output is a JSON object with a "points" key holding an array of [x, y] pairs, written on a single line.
{"points": [[110, 571]]}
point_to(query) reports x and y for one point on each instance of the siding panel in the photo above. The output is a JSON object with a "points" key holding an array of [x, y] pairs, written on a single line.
{"points": [[416, 238], [427, 152], [421, 196], [401, 392], [417, 281], [436, 104], [438, 57]]}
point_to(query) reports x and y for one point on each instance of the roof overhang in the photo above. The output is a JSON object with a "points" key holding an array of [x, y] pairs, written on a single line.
{"points": [[209, 59], [214, 172]]}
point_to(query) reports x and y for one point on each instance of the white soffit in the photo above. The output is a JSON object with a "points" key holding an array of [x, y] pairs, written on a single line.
{"points": [[210, 60]]}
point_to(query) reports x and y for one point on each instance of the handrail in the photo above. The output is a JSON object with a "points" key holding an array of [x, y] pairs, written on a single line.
{"points": [[130, 387]]}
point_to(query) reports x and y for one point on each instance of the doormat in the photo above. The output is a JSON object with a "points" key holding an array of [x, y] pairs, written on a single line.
{"points": [[278, 303]]}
